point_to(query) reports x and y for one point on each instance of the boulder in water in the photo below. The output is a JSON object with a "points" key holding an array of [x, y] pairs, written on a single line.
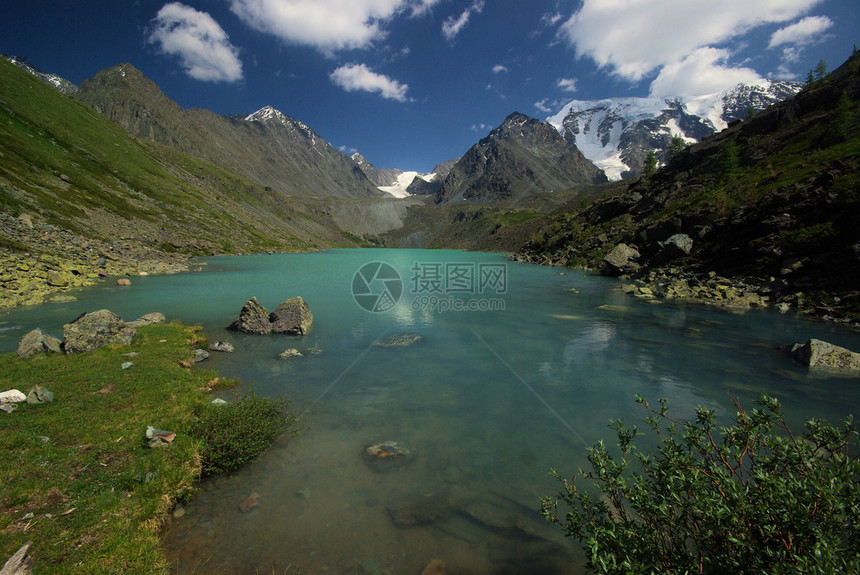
{"points": [[292, 316], [252, 319]]}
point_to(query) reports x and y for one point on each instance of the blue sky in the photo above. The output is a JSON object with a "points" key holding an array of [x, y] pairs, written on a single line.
{"points": [[411, 83]]}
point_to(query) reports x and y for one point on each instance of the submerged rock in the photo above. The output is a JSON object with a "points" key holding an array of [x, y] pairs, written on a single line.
{"points": [[94, 330], [221, 346], [288, 353], [292, 316], [37, 342], [419, 510], [253, 319], [435, 567], [817, 354], [399, 340]]}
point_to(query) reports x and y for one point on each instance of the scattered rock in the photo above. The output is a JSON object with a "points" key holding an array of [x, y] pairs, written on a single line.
{"points": [[253, 318], [12, 396], [219, 402], [677, 246], [39, 394], [288, 353], [399, 340], [35, 342], [123, 282], [179, 512], [250, 502], [159, 437], [8, 407], [150, 318], [292, 316], [620, 260], [435, 567], [387, 456], [222, 346], [94, 330], [127, 365], [821, 355], [201, 355]]}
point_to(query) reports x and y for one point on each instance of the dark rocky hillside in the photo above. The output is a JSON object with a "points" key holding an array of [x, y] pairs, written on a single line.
{"points": [[268, 147], [520, 158], [765, 213]]}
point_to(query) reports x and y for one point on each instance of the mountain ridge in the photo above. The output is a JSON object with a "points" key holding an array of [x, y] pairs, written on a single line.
{"points": [[266, 146], [617, 133]]}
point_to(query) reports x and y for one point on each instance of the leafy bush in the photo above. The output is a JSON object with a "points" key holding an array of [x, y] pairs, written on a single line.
{"points": [[748, 498], [235, 434]]}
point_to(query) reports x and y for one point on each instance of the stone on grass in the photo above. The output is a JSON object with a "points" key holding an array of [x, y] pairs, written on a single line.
{"points": [[200, 355], [218, 401], [253, 318], [94, 330], [12, 396], [21, 563], [39, 394], [159, 437], [35, 342], [292, 316], [126, 365]]}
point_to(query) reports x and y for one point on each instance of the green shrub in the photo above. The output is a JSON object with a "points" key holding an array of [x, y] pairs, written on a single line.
{"points": [[235, 434], [748, 498]]}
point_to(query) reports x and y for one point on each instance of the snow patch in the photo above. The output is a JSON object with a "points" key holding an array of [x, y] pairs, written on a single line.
{"points": [[398, 190]]}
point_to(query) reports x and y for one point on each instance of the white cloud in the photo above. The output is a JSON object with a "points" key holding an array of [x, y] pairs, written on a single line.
{"points": [[552, 19], [542, 106], [566, 84], [631, 39], [481, 127], [498, 69], [198, 41], [327, 25], [801, 33], [358, 77], [452, 27], [702, 72]]}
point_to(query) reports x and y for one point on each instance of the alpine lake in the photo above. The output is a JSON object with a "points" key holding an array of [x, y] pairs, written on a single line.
{"points": [[518, 369]]}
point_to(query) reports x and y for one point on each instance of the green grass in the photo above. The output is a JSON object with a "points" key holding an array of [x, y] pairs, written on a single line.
{"points": [[81, 465]]}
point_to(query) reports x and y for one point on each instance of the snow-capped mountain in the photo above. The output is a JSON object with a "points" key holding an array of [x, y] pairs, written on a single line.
{"points": [[61, 84], [617, 133], [401, 183]]}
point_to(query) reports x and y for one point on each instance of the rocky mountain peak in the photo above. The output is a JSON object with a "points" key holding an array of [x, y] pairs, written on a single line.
{"points": [[61, 84]]}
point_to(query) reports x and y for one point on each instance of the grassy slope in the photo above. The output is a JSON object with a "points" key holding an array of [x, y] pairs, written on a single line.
{"points": [[66, 165], [80, 464]]}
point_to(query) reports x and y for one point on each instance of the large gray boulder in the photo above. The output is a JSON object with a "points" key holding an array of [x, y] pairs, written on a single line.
{"points": [[252, 319], [293, 316], [35, 342], [94, 330], [677, 246], [621, 260], [821, 355]]}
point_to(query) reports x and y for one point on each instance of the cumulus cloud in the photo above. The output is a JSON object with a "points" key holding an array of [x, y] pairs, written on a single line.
{"points": [[452, 27], [498, 69], [201, 45], [801, 33], [702, 72], [327, 25], [566, 84], [543, 107], [627, 38], [358, 77]]}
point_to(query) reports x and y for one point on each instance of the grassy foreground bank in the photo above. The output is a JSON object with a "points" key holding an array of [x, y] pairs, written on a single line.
{"points": [[78, 479]]}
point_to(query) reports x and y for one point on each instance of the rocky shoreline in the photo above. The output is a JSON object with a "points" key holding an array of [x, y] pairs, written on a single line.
{"points": [[42, 262]]}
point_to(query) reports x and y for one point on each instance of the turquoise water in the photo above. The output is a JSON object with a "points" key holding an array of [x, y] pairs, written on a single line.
{"points": [[488, 401]]}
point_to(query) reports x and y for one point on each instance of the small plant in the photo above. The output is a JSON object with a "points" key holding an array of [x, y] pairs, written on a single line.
{"points": [[748, 498], [235, 434]]}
